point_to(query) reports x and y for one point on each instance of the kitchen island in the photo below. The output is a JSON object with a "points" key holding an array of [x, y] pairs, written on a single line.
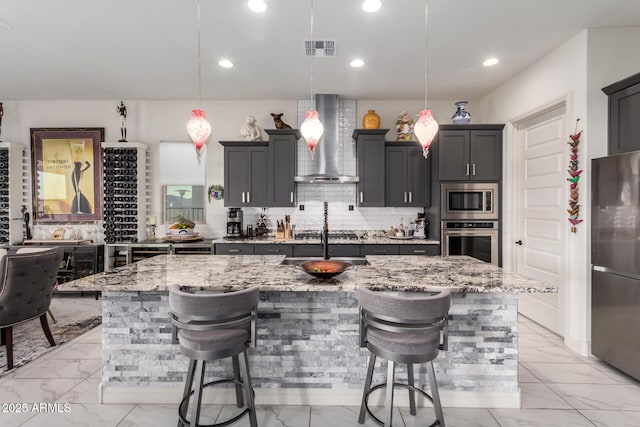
{"points": [[307, 333]]}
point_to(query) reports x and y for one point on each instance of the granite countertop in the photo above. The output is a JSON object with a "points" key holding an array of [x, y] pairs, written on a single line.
{"points": [[235, 272], [359, 241]]}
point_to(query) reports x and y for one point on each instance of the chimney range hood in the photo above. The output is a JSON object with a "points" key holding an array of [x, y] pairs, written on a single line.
{"points": [[325, 168]]}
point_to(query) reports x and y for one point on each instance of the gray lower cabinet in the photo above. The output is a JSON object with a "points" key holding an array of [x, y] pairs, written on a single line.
{"points": [[470, 152], [379, 250], [234, 249], [273, 249], [370, 153], [407, 175], [282, 166], [246, 173], [427, 250]]}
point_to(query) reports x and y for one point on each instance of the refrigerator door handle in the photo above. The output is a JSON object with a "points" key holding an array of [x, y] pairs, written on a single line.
{"points": [[616, 272]]}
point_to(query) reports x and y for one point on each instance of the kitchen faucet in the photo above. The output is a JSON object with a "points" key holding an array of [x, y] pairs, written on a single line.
{"points": [[324, 236]]}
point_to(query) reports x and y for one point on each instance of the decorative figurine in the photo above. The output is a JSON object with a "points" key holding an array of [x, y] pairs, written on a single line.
{"points": [[574, 178], [461, 116], [404, 127], [277, 120], [122, 110], [250, 131]]}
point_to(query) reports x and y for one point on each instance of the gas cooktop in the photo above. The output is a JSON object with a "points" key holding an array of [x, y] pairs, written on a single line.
{"points": [[337, 235]]}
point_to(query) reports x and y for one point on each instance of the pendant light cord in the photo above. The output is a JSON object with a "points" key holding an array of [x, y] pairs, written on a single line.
{"points": [[313, 54], [426, 49], [199, 63]]}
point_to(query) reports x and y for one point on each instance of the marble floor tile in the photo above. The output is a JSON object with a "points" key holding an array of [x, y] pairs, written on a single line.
{"points": [[453, 417], [87, 391], [568, 373], [35, 390], [533, 340], [600, 396], [166, 415], [540, 418], [82, 415], [553, 354], [15, 418], [523, 319], [347, 416], [612, 418], [271, 416], [61, 368], [540, 396], [92, 337], [97, 374], [619, 376], [524, 376], [79, 350]]}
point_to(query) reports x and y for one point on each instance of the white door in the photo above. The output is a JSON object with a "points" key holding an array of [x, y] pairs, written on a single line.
{"points": [[541, 213]]}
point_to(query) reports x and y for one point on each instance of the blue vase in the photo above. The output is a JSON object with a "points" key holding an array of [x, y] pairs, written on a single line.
{"points": [[461, 116]]}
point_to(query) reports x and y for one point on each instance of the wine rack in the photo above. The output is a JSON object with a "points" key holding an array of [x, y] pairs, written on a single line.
{"points": [[124, 208], [11, 225]]}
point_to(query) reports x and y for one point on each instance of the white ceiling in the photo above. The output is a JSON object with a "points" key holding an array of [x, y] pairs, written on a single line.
{"points": [[147, 49]]}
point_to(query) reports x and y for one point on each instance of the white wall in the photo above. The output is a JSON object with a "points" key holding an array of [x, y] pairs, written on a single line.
{"points": [[150, 122], [575, 71]]}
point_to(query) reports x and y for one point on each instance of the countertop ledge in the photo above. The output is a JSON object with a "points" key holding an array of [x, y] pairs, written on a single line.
{"points": [[235, 272]]}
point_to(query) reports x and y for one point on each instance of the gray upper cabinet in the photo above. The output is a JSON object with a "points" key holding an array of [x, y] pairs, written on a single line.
{"points": [[407, 175], [282, 166], [246, 173], [370, 152], [470, 152], [624, 110]]}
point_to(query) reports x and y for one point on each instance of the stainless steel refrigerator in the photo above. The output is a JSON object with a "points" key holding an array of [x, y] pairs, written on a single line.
{"points": [[615, 257]]}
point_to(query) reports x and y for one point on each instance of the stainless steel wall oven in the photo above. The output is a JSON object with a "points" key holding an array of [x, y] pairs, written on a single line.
{"points": [[478, 239]]}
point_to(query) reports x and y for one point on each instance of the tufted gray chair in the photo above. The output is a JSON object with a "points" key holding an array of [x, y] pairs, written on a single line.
{"points": [[26, 288], [403, 327], [213, 326]]}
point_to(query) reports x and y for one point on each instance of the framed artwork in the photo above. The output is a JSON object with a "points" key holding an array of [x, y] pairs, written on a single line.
{"points": [[66, 173]]}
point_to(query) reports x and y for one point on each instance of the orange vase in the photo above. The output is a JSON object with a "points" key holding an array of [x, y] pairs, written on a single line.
{"points": [[371, 120]]}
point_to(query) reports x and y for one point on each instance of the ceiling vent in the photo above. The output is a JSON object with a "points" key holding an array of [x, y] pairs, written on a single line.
{"points": [[320, 48]]}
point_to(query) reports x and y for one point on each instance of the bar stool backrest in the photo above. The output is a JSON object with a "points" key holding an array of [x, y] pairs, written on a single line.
{"points": [[404, 312], [196, 309]]}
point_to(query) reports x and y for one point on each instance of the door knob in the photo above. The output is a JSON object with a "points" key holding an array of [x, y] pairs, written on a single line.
{"points": [[519, 242]]}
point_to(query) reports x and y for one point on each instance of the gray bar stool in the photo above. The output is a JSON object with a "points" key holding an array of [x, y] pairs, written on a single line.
{"points": [[211, 326], [403, 327]]}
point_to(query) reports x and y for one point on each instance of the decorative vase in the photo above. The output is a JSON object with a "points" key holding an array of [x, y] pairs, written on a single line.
{"points": [[371, 120], [461, 116]]}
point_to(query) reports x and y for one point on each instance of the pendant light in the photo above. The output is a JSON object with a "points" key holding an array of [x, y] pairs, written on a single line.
{"points": [[426, 127], [312, 128], [198, 127]]}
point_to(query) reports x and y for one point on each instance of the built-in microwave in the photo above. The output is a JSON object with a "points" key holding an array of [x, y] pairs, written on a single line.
{"points": [[461, 200]]}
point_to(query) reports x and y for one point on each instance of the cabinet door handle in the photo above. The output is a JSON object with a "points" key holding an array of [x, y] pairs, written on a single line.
{"points": [[234, 250], [419, 251], [467, 169], [291, 197], [473, 169], [410, 196], [248, 197], [243, 197], [405, 197], [361, 197]]}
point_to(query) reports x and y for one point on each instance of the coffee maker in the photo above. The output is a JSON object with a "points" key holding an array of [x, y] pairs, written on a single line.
{"points": [[234, 222]]}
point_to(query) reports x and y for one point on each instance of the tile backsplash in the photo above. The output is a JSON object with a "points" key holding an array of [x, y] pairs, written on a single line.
{"points": [[339, 196]]}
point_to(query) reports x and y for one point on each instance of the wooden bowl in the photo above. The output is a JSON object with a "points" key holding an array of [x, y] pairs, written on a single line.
{"points": [[325, 269]]}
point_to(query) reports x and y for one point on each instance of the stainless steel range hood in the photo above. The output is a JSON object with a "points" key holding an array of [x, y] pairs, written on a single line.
{"points": [[326, 164]]}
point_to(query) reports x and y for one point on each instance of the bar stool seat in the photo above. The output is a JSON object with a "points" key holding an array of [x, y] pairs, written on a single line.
{"points": [[402, 327], [211, 326]]}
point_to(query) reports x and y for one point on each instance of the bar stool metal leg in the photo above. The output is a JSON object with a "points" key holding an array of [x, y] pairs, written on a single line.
{"points": [[197, 393], [367, 387], [437, 407], [388, 404], [236, 376], [188, 383], [412, 394], [248, 390]]}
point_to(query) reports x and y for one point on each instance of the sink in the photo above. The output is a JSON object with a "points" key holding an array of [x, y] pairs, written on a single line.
{"points": [[298, 261]]}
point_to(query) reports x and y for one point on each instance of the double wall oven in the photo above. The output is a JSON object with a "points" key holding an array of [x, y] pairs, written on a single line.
{"points": [[469, 215]]}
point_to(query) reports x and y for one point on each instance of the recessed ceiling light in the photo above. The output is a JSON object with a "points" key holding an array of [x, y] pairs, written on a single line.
{"points": [[5, 26], [357, 63], [257, 5], [490, 62], [225, 63], [371, 5]]}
